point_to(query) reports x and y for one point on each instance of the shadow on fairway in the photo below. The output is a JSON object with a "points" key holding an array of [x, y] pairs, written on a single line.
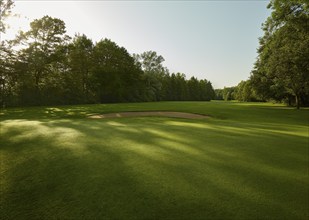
{"points": [[152, 168]]}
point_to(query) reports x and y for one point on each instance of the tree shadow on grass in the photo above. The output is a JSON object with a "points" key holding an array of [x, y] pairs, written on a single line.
{"points": [[154, 168]]}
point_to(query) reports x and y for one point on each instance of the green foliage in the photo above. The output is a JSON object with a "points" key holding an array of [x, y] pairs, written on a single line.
{"points": [[228, 93], [51, 68], [154, 74], [282, 68], [80, 63], [218, 94], [6, 56], [244, 92], [177, 88], [40, 63], [115, 72], [151, 62], [248, 161], [5, 11]]}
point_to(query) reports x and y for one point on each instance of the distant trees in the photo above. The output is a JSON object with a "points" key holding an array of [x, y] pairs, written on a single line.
{"points": [[161, 85], [44, 66], [244, 92], [227, 93], [178, 88]]}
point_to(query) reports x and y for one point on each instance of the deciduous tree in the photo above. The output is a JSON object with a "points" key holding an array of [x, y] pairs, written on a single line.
{"points": [[283, 62]]}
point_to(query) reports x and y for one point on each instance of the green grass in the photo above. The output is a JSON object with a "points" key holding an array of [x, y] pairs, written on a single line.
{"points": [[248, 161]]}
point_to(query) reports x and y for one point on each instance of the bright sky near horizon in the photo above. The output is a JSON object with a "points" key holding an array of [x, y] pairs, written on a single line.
{"points": [[216, 40]]}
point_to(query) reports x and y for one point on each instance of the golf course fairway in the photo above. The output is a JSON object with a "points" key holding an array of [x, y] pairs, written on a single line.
{"points": [[243, 161]]}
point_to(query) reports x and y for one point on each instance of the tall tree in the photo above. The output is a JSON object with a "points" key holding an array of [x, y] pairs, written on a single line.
{"points": [[284, 49], [154, 72], [193, 89], [181, 87], [80, 61], [210, 92], [6, 54], [41, 56], [244, 92], [116, 74]]}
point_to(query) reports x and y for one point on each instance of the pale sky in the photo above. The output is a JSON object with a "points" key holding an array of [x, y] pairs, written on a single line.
{"points": [[216, 40]]}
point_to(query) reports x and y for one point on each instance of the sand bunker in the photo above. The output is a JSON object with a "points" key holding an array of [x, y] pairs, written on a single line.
{"points": [[142, 114]]}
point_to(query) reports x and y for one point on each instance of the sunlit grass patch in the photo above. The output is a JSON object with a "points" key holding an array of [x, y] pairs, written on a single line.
{"points": [[60, 167]]}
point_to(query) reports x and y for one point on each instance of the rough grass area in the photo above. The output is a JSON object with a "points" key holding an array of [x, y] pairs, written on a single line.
{"points": [[247, 161]]}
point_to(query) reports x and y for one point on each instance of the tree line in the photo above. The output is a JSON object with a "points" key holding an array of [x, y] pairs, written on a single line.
{"points": [[44, 66]]}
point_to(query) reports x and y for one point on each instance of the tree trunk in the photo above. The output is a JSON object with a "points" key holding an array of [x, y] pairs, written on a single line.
{"points": [[297, 101]]}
